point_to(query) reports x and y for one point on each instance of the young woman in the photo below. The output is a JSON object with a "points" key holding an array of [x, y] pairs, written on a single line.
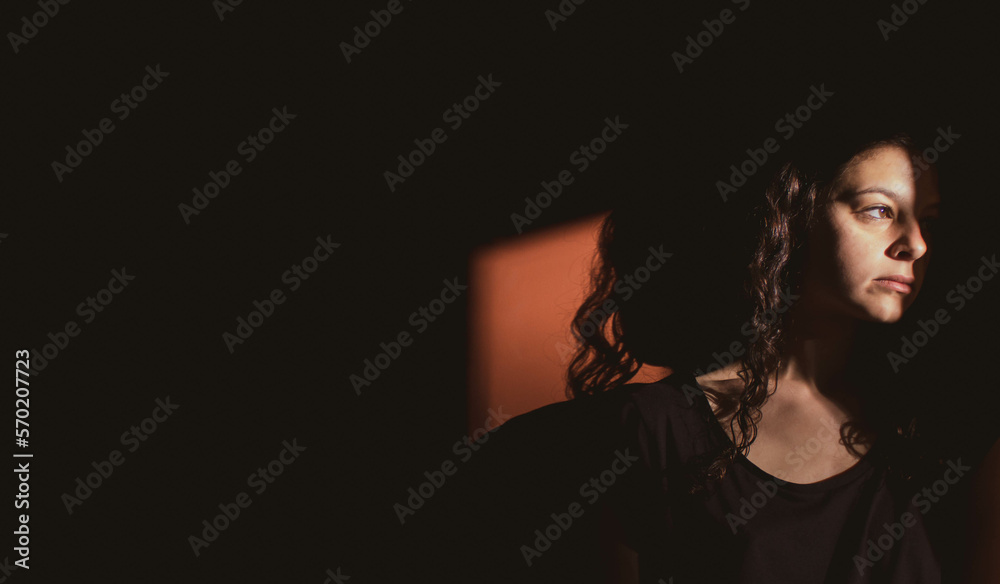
{"points": [[783, 448]]}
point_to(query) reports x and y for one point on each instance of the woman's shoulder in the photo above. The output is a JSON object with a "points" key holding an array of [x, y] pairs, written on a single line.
{"points": [[673, 408], [668, 402], [667, 421], [675, 392], [671, 392]]}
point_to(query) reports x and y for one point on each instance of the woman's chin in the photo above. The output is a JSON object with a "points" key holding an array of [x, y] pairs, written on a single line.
{"points": [[887, 312]]}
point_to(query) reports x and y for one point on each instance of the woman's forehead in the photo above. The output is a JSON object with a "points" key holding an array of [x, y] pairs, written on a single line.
{"points": [[893, 171]]}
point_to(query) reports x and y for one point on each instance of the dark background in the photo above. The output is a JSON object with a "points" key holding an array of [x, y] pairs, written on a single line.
{"points": [[323, 175]]}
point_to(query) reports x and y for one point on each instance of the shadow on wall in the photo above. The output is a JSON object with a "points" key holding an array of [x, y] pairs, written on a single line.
{"points": [[520, 341]]}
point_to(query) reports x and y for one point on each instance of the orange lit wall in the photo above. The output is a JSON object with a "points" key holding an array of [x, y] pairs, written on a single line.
{"points": [[526, 292]]}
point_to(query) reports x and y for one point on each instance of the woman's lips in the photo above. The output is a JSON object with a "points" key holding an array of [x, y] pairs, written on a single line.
{"points": [[895, 285]]}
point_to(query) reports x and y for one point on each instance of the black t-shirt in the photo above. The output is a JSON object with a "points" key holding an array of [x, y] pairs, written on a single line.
{"points": [[751, 527]]}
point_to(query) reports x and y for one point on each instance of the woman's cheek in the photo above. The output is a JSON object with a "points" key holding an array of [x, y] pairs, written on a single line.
{"points": [[849, 254]]}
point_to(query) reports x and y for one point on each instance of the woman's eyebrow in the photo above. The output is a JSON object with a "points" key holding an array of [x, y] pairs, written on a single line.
{"points": [[892, 195], [887, 192]]}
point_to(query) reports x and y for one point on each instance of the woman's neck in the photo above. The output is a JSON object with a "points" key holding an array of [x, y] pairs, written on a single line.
{"points": [[816, 356]]}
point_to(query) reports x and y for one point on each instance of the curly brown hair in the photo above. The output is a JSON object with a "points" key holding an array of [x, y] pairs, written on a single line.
{"points": [[785, 215]]}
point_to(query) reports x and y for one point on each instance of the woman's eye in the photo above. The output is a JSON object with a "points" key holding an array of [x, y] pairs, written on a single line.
{"points": [[878, 212]]}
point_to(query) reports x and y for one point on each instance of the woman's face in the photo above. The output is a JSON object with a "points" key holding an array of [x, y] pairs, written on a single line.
{"points": [[873, 229]]}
